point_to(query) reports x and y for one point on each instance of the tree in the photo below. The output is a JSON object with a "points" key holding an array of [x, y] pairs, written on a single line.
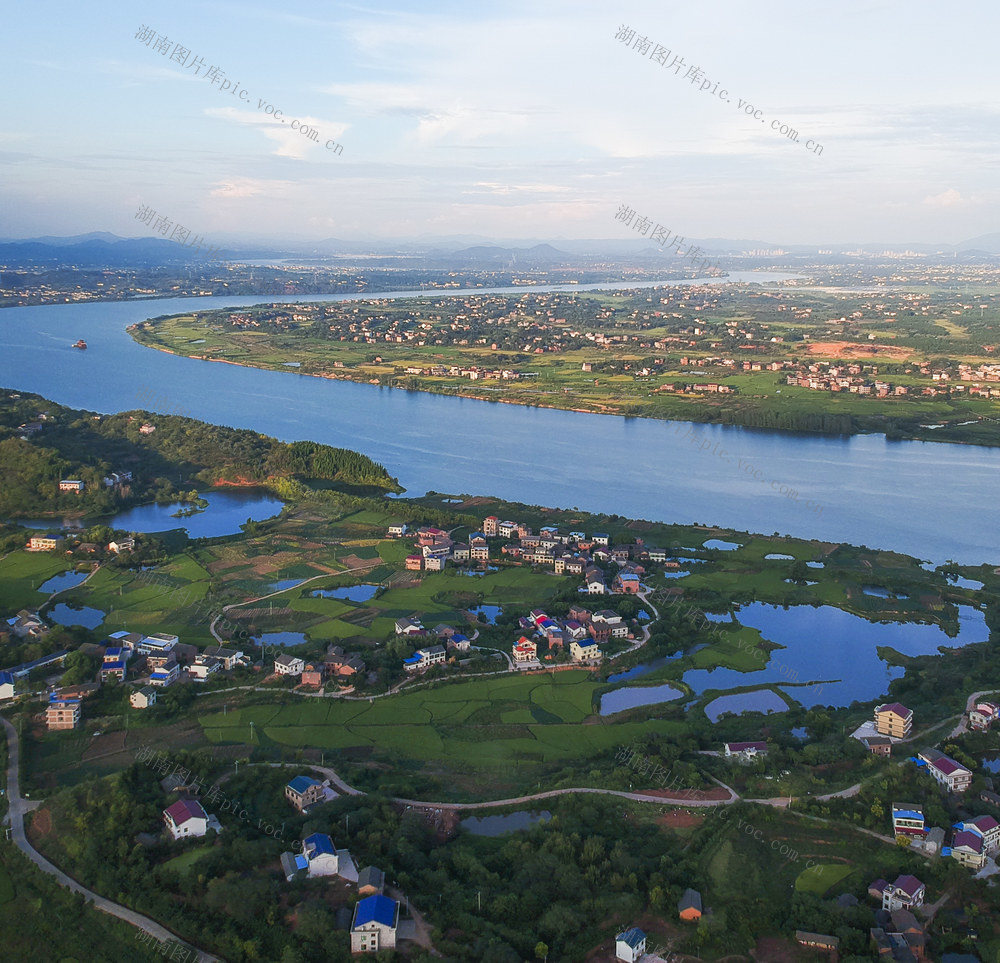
{"points": [[541, 951]]}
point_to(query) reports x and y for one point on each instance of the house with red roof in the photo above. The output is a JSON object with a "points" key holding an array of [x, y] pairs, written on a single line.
{"points": [[906, 893], [950, 774], [988, 828], [893, 719], [185, 819], [967, 848]]}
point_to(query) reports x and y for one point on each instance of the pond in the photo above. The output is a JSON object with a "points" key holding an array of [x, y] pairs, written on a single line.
{"points": [[774, 556], [815, 564], [718, 543], [348, 593], [498, 825], [225, 513], [630, 697], [271, 639], [992, 763], [792, 581], [675, 573], [59, 583], [283, 584], [826, 643], [962, 582], [800, 732], [66, 614], [761, 700], [490, 611], [880, 593]]}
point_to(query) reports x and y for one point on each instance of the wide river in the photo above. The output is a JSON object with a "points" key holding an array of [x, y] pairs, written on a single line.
{"points": [[934, 501]]}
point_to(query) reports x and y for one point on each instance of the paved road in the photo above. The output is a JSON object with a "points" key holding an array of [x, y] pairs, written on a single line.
{"points": [[19, 806]]}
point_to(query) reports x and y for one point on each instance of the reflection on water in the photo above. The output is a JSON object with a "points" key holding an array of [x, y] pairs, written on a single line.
{"points": [[497, 825]]}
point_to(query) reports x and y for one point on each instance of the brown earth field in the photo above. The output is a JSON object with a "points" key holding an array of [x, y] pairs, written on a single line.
{"points": [[851, 349]]}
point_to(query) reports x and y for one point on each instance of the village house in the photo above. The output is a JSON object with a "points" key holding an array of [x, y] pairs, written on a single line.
{"points": [[321, 855], [595, 582], [818, 941], [289, 665], [689, 905], [62, 713], [968, 849], [625, 584], [143, 698], [986, 827], [204, 666], [121, 545], [156, 642], [303, 792], [340, 665], [490, 524], [312, 674], [630, 945], [878, 745], [414, 563], [230, 658], [186, 819], [745, 751], [459, 642], [166, 674], [6, 685], [906, 893], [45, 543], [370, 881], [112, 669], [619, 630], [423, 658], [893, 719], [397, 530], [73, 485], [27, 625], [524, 650], [584, 651], [947, 772], [409, 627], [983, 715], [373, 927], [908, 820]]}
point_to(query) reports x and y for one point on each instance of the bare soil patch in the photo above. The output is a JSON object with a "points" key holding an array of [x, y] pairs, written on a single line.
{"points": [[851, 349], [105, 745]]}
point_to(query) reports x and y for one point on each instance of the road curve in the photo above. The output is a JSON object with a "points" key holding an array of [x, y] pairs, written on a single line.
{"points": [[18, 807]]}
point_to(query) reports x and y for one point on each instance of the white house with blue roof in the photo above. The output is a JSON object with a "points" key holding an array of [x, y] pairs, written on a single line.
{"points": [[321, 855], [6, 685], [374, 925], [630, 945]]}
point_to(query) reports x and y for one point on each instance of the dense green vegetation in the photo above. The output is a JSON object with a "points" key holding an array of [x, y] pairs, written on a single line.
{"points": [[180, 454]]}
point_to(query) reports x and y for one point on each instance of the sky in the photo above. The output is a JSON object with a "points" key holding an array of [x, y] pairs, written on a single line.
{"points": [[502, 120]]}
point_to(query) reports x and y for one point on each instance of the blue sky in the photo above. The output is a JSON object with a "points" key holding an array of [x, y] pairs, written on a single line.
{"points": [[506, 120]]}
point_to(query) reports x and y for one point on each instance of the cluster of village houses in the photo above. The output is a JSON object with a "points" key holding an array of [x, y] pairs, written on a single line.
{"points": [[572, 553], [374, 924]]}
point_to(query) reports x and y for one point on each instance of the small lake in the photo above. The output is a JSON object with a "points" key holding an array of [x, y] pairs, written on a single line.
{"points": [[281, 638], [881, 593], [774, 557], [816, 564], [645, 668], [962, 582], [348, 593], [498, 825], [992, 763], [69, 615], [722, 546], [763, 700], [800, 732], [632, 697], [283, 584], [824, 642], [225, 513], [490, 611], [59, 583], [675, 573]]}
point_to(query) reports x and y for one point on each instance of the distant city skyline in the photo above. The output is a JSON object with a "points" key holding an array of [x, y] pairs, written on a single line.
{"points": [[506, 122]]}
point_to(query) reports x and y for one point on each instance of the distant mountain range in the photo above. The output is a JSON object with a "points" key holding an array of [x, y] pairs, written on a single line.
{"points": [[101, 249]]}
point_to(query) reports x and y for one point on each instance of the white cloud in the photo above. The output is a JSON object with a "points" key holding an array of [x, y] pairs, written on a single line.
{"points": [[948, 198]]}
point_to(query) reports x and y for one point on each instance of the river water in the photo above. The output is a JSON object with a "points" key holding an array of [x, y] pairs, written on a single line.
{"points": [[934, 501]]}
